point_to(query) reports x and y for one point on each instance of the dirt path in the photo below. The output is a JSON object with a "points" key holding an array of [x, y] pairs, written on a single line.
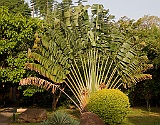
{"points": [[5, 114]]}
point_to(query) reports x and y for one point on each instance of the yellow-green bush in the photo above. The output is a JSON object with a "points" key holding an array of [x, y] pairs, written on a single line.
{"points": [[111, 105]]}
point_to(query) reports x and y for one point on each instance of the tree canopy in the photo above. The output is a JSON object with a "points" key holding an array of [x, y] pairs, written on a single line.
{"points": [[16, 36], [17, 6]]}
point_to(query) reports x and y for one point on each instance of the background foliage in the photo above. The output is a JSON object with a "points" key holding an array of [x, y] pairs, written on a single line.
{"points": [[16, 36], [17, 6]]}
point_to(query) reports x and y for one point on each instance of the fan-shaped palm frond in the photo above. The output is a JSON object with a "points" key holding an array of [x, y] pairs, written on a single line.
{"points": [[89, 73]]}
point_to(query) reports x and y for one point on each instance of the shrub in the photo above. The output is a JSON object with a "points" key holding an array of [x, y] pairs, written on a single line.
{"points": [[60, 118], [111, 105]]}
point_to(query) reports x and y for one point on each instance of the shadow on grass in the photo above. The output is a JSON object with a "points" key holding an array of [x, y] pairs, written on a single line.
{"points": [[152, 109], [141, 116], [143, 120]]}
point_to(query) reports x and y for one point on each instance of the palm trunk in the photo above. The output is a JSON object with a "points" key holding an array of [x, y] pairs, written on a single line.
{"points": [[54, 104], [56, 98]]}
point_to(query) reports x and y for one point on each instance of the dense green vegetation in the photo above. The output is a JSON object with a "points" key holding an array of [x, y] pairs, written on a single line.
{"points": [[146, 30], [17, 6], [72, 54], [16, 36]]}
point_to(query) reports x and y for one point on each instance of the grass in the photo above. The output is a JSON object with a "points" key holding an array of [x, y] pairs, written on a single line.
{"points": [[141, 116], [136, 116]]}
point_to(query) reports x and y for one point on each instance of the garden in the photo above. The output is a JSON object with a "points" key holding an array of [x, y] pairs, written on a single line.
{"points": [[136, 116], [81, 67]]}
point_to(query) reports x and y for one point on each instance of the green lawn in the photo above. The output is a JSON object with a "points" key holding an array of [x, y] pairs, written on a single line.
{"points": [[140, 116], [136, 116]]}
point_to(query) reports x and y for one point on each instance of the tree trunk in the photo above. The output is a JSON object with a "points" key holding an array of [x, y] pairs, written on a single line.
{"points": [[47, 9], [33, 9], [13, 93], [54, 105], [56, 98]]}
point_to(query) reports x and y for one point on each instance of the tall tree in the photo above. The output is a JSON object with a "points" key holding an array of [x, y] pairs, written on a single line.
{"points": [[145, 31], [41, 7], [16, 36], [86, 55], [149, 31], [17, 6]]}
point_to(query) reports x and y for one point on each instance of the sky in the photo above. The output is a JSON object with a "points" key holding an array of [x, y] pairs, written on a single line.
{"points": [[133, 9]]}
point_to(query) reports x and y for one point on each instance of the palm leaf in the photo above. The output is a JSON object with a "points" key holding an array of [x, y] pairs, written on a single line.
{"points": [[46, 85], [41, 70], [39, 82]]}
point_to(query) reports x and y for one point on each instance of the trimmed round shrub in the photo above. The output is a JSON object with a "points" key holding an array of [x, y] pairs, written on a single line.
{"points": [[111, 105]]}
